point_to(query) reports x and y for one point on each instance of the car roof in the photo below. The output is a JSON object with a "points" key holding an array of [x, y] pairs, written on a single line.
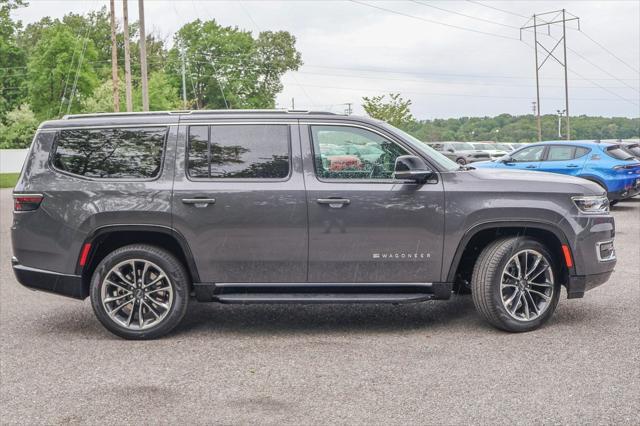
{"points": [[190, 116]]}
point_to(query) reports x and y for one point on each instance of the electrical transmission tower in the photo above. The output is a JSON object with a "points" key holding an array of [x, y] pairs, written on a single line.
{"points": [[546, 20]]}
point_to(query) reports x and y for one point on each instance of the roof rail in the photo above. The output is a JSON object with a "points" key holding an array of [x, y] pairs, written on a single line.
{"points": [[193, 112]]}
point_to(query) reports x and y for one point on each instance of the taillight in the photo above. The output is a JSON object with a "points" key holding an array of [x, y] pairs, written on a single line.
{"points": [[627, 166], [26, 202]]}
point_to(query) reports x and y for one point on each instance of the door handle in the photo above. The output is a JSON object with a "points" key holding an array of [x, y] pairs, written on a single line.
{"points": [[572, 166], [334, 203], [531, 167], [199, 202]]}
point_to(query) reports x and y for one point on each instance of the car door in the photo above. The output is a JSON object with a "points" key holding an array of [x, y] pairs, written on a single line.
{"points": [[239, 201], [364, 226], [527, 158], [564, 159]]}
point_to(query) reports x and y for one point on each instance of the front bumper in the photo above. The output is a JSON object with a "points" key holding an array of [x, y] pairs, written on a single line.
{"points": [[578, 284], [49, 281]]}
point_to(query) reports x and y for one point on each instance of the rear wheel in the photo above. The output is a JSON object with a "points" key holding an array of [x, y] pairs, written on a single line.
{"points": [[140, 292], [461, 161], [514, 284]]}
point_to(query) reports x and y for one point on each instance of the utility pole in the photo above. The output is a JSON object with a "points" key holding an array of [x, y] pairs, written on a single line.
{"points": [[293, 104], [127, 56], [560, 113], [184, 79], [143, 57], [114, 60], [539, 121], [548, 19], [348, 110]]}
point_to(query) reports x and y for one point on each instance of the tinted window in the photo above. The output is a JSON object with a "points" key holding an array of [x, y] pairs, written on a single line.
{"points": [[533, 153], [618, 153], [560, 153], [343, 152], [633, 149], [124, 153], [239, 151], [199, 151]]}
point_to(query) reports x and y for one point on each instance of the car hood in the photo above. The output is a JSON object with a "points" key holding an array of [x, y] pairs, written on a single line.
{"points": [[536, 181]]}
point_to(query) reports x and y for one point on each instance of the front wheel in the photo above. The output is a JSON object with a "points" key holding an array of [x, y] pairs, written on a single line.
{"points": [[461, 161], [515, 285], [140, 292]]}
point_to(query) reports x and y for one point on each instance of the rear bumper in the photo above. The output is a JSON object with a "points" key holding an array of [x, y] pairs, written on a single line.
{"points": [[49, 281], [579, 284], [623, 194]]}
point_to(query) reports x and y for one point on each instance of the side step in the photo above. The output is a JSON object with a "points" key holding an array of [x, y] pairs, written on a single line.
{"points": [[248, 293]]}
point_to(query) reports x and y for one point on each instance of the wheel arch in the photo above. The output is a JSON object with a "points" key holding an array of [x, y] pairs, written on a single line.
{"points": [[478, 237], [105, 239]]}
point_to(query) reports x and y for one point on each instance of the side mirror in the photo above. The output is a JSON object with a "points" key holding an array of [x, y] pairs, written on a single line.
{"points": [[410, 167], [450, 150], [505, 159]]}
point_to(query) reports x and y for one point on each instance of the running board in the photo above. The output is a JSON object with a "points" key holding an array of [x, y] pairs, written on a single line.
{"points": [[246, 293]]}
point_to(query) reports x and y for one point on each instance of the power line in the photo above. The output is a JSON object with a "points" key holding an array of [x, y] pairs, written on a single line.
{"points": [[498, 9], [448, 94], [465, 15], [431, 21], [609, 51]]}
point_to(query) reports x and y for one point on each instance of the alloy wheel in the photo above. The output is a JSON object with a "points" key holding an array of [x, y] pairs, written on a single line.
{"points": [[527, 285], [137, 294]]}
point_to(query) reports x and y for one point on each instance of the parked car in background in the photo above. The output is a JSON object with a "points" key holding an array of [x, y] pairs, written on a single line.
{"points": [[490, 148], [607, 164], [506, 146], [632, 148], [460, 152]]}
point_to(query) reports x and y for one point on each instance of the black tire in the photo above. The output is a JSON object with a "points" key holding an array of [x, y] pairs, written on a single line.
{"points": [[613, 202], [178, 280], [486, 283], [461, 161]]}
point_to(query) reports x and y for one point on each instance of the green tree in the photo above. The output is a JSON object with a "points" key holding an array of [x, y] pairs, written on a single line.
{"points": [[53, 67], [394, 111], [162, 95], [12, 59], [228, 67], [21, 124]]}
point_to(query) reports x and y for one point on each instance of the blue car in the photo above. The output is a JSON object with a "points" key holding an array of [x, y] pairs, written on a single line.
{"points": [[607, 164]]}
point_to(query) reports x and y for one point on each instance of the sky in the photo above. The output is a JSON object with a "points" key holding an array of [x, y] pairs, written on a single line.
{"points": [[451, 58]]}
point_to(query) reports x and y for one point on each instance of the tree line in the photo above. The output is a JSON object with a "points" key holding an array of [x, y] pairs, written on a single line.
{"points": [[395, 110]]}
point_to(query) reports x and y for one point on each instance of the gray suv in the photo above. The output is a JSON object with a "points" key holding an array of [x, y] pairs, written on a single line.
{"points": [[145, 212]]}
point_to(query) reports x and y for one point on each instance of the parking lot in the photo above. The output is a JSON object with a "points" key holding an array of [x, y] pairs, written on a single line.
{"points": [[434, 362]]}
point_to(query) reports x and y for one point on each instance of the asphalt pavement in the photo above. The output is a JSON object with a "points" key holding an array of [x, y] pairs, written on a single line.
{"points": [[428, 363]]}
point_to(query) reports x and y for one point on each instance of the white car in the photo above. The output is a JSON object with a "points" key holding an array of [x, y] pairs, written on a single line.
{"points": [[490, 148]]}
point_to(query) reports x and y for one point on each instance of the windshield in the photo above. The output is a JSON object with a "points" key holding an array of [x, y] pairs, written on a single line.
{"points": [[618, 153], [462, 146], [434, 155]]}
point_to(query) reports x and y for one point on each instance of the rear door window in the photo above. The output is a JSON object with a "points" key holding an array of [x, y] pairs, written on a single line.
{"points": [[560, 153], [244, 151], [115, 153]]}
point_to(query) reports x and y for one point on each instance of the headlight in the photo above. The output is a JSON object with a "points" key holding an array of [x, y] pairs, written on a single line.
{"points": [[592, 204]]}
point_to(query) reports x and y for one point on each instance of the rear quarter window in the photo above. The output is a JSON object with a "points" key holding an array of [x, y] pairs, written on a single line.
{"points": [[115, 153], [618, 153]]}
